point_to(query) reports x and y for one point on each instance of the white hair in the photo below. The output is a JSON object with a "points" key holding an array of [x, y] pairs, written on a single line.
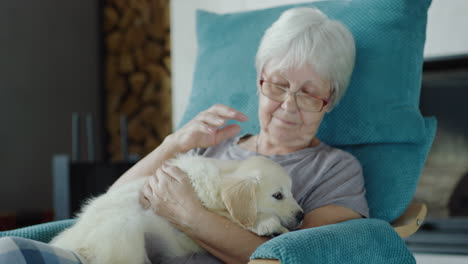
{"points": [[307, 36]]}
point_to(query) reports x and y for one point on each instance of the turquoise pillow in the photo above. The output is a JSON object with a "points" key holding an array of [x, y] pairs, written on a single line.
{"points": [[391, 172], [382, 101]]}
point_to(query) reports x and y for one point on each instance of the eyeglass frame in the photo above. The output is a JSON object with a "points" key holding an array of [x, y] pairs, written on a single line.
{"points": [[324, 101]]}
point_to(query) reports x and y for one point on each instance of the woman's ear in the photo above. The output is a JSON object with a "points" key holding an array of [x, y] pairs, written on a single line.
{"points": [[332, 100], [258, 85], [238, 194]]}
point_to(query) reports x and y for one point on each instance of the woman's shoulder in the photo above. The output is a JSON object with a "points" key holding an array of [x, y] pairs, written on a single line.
{"points": [[338, 152], [340, 155], [322, 151], [324, 158]]}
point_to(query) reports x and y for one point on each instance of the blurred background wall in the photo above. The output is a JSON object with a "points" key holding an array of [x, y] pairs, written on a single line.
{"points": [[49, 68], [104, 58]]}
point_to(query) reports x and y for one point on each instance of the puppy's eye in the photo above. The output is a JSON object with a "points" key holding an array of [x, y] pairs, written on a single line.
{"points": [[278, 196]]}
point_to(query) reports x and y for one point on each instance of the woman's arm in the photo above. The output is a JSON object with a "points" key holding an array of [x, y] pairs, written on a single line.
{"points": [[170, 195], [241, 243], [202, 131], [236, 244], [148, 165], [222, 238], [327, 215], [206, 228]]}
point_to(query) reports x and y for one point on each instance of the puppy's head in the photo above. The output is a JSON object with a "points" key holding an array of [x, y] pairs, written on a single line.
{"points": [[258, 195]]}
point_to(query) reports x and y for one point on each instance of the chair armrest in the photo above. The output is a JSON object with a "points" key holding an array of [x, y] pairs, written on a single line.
{"points": [[407, 224], [264, 261], [374, 239], [410, 221], [41, 232]]}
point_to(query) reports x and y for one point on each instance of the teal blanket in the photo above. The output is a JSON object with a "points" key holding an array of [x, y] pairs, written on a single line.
{"points": [[42, 232], [355, 241]]}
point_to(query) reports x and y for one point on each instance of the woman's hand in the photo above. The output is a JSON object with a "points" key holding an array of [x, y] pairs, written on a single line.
{"points": [[203, 130], [170, 194]]}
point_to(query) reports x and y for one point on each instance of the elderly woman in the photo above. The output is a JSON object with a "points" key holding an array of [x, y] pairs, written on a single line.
{"points": [[303, 64]]}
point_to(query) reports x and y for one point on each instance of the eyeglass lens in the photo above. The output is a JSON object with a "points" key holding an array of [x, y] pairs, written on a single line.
{"points": [[304, 101]]}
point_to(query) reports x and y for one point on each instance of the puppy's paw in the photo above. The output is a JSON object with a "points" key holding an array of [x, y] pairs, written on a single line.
{"points": [[85, 254], [281, 231], [269, 227]]}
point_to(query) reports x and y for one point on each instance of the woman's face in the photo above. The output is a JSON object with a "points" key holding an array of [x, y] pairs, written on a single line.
{"points": [[284, 122]]}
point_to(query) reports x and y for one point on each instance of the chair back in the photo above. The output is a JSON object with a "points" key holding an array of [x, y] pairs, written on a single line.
{"points": [[378, 120]]}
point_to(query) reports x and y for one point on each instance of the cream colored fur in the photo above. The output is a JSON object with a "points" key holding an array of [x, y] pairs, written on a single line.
{"points": [[111, 228]]}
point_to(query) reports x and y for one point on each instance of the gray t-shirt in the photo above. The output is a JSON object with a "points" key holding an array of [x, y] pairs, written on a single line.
{"points": [[321, 175]]}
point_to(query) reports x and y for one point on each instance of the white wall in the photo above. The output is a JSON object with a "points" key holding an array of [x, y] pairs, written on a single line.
{"points": [[445, 35], [447, 28]]}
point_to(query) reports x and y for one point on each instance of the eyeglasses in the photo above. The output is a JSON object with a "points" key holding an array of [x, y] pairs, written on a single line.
{"points": [[305, 101]]}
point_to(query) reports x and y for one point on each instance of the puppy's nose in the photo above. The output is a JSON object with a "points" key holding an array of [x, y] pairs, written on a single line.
{"points": [[299, 216]]}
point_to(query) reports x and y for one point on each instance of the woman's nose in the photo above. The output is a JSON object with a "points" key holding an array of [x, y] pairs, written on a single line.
{"points": [[290, 102]]}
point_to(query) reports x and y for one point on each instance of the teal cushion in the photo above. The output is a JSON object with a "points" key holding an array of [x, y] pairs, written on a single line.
{"points": [[391, 172], [41, 232], [381, 104], [355, 241]]}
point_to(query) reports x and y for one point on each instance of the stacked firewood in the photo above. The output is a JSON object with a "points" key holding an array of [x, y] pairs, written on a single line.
{"points": [[137, 73]]}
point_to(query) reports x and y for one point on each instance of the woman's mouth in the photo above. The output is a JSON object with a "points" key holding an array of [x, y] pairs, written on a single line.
{"points": [[289, 123]]}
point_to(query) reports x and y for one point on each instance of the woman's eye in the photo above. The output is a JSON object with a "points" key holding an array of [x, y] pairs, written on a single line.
{"points": [[281, 86], [309, 91], [278, 196]]}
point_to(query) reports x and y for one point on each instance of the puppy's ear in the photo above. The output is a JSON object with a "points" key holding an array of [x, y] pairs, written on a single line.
{"points": [[238, 194]]}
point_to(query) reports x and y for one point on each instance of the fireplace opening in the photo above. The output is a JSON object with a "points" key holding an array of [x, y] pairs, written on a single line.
{"points": [[444, 94], [443, 185], [458, 202]]}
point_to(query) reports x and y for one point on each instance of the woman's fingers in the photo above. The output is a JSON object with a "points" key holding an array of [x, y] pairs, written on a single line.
{"points": [[153, 181], [227, 132], [205, 129], [217, 116], [211, 119], [166, 175], [144, 196], [174, 172], [227, 112]]}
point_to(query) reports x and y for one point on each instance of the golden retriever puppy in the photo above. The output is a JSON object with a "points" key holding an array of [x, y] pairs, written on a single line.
{"points": [[254, 193]]}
